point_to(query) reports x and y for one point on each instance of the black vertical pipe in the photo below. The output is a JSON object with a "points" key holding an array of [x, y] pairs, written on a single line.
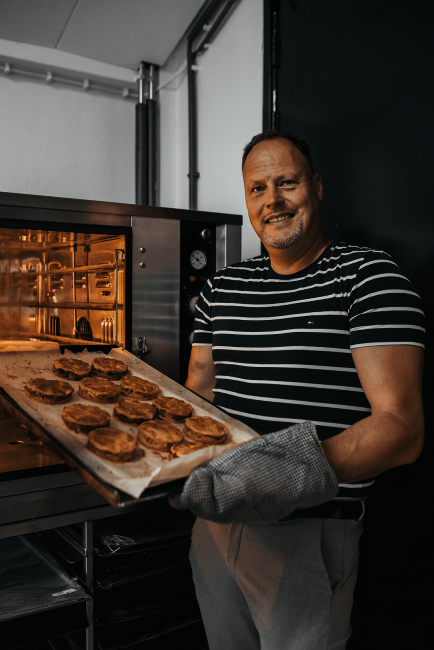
{"points": [[270, 119], [142, 155], [152, 152], [193, 174], [274, 63]]}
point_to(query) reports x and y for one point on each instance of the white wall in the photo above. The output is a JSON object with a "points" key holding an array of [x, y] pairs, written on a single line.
{"points": [[58, 141], [173, 145], [229, 86], [62, 142]]}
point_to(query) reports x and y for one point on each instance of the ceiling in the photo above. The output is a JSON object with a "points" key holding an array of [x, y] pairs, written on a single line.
{"points": [[122, 32]]}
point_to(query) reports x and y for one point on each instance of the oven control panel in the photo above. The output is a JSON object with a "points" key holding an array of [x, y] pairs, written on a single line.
{"points": [[198, 263]]}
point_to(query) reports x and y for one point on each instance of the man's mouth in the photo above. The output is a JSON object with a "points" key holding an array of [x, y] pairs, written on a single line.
{"points": [[280, 217]]}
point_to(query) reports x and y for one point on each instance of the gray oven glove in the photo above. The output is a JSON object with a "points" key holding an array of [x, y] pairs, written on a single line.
{"points": [[263, 480]]}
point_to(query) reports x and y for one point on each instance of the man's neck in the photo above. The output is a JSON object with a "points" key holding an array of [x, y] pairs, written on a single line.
{"points": [[286, 261]]}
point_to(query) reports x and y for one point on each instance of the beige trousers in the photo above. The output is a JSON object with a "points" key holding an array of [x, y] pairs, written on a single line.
{"points": [[283, 586]]}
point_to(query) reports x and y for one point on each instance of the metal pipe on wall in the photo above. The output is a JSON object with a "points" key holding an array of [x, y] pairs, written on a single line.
{"points": [[146, 137], [152, 139], [274, 64], [270, 114], [142, 142], [111, 88], [193, 174]]}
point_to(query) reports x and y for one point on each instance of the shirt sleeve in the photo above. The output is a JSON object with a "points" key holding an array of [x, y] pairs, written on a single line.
{"points": [[202, 322], [384, 307]]}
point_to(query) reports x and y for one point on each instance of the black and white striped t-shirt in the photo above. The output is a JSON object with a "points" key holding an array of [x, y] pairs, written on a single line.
{"points": [[282, 343]]}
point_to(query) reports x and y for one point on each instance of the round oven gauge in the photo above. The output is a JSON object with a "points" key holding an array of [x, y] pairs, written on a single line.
{"points": [[198, 260]]}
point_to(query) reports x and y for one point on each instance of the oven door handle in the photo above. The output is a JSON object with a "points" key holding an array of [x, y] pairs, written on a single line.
{"points": [[142, 347]]}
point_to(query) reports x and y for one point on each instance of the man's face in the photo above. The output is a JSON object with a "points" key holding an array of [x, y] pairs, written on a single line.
{"points": [[282, 194]]}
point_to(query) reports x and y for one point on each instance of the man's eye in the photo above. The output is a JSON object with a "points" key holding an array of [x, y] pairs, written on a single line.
{"points": [[257, 189], [287, 182]]}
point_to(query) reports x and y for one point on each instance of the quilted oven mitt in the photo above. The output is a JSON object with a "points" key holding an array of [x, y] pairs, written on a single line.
{"points": [[261, 481]]}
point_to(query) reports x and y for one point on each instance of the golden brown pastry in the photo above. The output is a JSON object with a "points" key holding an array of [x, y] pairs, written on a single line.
{"points": [[172, 409], [138, 387], [107, 368], [49, 391], [112, 444], [98, 390], [185, 447], [83, 418], [159, 436], [71, 369], [205, 430], [133, 412]]}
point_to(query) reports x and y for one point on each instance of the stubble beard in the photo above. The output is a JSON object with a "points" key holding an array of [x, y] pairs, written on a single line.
{"points": [[285, 240]]}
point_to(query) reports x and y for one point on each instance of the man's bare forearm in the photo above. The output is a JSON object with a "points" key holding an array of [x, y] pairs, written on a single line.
{"points": [[379, 442], [201, 389], [201, 372]]}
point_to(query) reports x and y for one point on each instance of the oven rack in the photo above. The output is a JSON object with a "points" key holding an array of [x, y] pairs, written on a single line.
{"points": [[101, 306], [42, 305], [67, 270], [29, 245]]}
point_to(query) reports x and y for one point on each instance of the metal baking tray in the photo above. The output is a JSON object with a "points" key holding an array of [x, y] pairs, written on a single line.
{"points": [[156, 624], [149, 615], [119, 570], [187, 634], [144, 608], [127, 533], [146, 591], [112, 495]]}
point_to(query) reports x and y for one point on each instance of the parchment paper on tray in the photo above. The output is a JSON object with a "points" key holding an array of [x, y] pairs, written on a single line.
{"points": [[16, 368]]}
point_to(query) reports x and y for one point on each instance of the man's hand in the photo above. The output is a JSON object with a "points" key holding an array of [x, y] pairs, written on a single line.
{"points": [[201, 371], [391, 376]]}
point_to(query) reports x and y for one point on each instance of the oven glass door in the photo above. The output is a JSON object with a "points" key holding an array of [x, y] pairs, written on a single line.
{"points": [[61, 286]]}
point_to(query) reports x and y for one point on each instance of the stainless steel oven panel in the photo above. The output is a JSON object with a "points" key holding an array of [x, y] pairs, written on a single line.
{"points": [[155, 291], [62, 216], [228, 250]]}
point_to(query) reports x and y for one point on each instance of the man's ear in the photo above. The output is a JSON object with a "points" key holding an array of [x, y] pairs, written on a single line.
{"points": [[318, 186]]}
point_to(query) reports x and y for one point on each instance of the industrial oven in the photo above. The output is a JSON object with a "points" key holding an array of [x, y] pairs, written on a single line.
{"points": [[76, 271], [97, 275]]}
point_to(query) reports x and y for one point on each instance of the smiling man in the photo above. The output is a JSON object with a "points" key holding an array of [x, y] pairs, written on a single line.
{"points": [[317, 331]]}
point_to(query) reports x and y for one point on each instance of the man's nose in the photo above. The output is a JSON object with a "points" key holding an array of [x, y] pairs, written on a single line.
{"points": [[273, 197]]}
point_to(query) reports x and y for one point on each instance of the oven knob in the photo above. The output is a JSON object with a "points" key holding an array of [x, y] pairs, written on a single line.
{"points": [[188, 338], [142, 265], [205, 234], [142, 250], [192, 303]]}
